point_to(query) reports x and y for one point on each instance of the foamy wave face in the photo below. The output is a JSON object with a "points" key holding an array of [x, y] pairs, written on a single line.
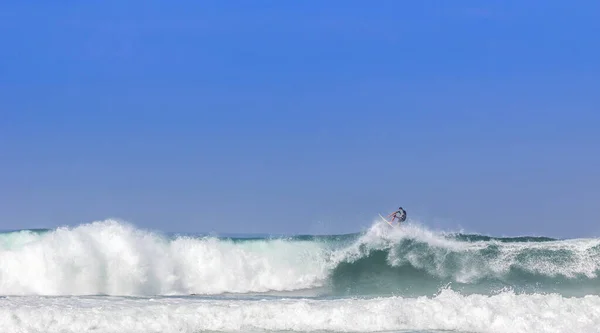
{"points": [[449, 310], [112, 258], [116, 259], [472, 262], [469, 262]]}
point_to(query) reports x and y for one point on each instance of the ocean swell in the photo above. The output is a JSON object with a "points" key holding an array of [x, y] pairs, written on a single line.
{"points": [[115, 258]]}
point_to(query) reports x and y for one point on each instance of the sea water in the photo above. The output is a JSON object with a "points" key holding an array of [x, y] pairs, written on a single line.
{"points": [[110, 276]]}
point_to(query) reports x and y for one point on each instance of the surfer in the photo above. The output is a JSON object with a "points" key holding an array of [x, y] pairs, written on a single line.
{"points": [[400, 214]]}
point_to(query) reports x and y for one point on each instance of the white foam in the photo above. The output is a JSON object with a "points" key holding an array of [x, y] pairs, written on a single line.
{"points": [[584, 261], [381, 236], [116, 259], [505, 312]]}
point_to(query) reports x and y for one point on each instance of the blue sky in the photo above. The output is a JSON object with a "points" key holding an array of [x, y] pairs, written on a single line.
{"points": [[301, 117]]}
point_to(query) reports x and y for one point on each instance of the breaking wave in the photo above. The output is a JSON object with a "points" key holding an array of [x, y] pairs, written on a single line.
{"points": [[115, 258]]}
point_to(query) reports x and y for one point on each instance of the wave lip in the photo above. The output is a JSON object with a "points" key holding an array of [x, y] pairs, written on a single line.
{"points": [[113, 258], [448, 310], [416, 261]]}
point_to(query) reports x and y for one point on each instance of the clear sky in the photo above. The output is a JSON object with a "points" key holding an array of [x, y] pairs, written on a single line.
{"points": [[301, 117]]}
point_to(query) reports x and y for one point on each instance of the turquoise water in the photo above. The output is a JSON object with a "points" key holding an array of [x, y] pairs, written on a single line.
{"points": [[112, 277]]}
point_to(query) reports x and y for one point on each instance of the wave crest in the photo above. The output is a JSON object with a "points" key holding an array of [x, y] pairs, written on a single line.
{"points": [[115, 258]]}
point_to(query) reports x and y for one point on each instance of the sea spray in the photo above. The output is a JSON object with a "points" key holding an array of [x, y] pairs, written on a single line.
{"points": [[115, 258]]}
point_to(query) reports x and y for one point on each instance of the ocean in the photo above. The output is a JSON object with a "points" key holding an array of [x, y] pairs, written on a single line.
{"points": [[111, 276]]}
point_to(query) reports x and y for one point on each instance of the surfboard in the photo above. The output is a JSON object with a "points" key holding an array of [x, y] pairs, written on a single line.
{"points": [[383, 218]]}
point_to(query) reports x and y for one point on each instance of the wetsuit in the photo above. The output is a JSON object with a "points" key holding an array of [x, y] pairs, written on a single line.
{"points": [[400, 215]]}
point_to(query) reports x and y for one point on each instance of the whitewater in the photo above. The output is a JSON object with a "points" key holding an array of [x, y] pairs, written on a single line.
{"points": [[110, 276]]}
